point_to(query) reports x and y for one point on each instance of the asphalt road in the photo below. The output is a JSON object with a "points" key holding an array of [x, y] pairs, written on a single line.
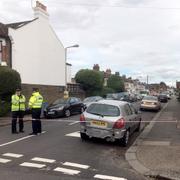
{"points": [[65, 155]]}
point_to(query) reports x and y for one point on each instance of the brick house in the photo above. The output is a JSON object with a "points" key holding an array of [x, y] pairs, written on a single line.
{"points": [[5, 46], [178, 85], [157, 88]]}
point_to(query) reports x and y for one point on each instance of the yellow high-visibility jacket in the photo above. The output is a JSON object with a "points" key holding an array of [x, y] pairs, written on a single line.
{"points": [[35, 100], [18, 103], [66, 94]]}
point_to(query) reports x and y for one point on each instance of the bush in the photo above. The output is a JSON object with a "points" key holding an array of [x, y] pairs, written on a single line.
{"points": [[10, 80]]}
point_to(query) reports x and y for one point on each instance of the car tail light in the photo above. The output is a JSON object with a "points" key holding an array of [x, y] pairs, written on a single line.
{"points": [[119, 123], [82, 118]]}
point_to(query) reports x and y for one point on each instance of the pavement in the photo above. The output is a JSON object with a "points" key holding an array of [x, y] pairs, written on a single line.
{"points": [[156, 152]]}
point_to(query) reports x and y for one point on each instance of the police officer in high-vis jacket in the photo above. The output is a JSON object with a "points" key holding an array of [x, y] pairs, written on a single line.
{"points": [[18, 108], [35, 104]]}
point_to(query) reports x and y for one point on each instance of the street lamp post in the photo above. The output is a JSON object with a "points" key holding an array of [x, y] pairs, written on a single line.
{"points": [[66, 48]]}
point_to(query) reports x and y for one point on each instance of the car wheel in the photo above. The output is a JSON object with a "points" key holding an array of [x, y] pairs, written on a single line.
{"points": [[125, 139], [67, 113], [84, 136]]}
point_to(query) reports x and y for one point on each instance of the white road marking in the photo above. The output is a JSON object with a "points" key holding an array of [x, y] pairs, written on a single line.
{"points": [[156, 143], [13, 155], [99, 176], [20, 139], [74, 123], [67, 171], [74, 134], [59, 120], [35, 165], [2, 160], [76, 165], [43, 160]]}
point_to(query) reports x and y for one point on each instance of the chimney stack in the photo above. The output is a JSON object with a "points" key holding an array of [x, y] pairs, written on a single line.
{"points": [[40, 11]]}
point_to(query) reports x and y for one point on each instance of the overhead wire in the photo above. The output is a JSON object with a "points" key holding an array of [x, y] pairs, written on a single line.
{"points": [[117, 6]]}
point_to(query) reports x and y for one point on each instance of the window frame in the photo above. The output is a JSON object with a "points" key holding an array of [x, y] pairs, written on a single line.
{"points": [[1, 51]]}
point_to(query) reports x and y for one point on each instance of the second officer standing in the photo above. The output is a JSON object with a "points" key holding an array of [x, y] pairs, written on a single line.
{"points": [[35, 104]]}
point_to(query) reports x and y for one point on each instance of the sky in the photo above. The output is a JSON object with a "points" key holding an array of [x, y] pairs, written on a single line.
{"points": [[136, 38]]}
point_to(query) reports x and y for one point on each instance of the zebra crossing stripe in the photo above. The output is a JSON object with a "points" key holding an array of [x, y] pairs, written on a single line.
{"points": [[67, 171], [43, 160], [99, 176], [2, 160], [74, 134], [13, 155], [27, 164], [76, 165]]}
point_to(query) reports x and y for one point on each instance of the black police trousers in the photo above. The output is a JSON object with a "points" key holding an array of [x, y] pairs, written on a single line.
{"points": [[36, 120], [17, 115]]}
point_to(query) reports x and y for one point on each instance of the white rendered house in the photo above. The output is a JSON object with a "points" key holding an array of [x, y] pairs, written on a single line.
{"points": [[37, 53]]}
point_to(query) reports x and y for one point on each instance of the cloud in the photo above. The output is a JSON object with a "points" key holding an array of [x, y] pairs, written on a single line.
{"points": [[137, 37]]}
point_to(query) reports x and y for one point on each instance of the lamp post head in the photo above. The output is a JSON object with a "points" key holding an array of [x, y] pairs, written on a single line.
{"points": [[74, 46]]}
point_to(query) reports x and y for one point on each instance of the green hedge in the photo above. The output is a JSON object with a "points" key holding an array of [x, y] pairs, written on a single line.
{"points": [[4, 108], [9, 81]]}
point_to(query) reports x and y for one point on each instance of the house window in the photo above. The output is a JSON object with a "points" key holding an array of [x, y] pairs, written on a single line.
{"points": [[0, 51]]}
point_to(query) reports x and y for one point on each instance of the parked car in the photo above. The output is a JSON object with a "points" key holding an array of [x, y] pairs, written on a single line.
{"points": [[111, 120], [139, 97], [163, 98], [87, 101], [150, 103], [122, 96], [112, 96], [167, 94], [64, 107], [144, 93]]}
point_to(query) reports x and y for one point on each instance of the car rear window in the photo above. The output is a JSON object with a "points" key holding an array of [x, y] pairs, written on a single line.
{"points": [[103, 110], [150, 98]]}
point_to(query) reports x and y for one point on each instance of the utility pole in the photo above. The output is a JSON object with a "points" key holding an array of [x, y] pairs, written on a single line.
{"points": [[66, 48], [147, 82]]}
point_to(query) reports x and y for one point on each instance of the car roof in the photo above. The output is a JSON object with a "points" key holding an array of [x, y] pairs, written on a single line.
{"points": [[93, 97], [112, 102]]}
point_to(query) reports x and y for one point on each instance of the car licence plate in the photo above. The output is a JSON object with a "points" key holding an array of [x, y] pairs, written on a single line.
{"points": [[148, 103], [98, 123], [51, 112]]}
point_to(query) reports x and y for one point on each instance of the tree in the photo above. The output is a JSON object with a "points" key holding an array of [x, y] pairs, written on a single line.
{"points": [[163, 84], [115, 82], [91, 81], [9, 81]]}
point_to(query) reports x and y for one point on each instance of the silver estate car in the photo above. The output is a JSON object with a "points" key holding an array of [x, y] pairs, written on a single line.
{"points": [[150, 103], [111, 120]]}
